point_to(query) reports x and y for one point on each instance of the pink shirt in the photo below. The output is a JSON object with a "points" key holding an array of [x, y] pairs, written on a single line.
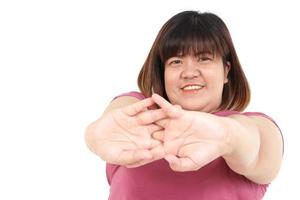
{"points": [[157, 181]]}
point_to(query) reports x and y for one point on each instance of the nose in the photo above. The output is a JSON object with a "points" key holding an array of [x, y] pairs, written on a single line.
{"points": [[190, 71]]}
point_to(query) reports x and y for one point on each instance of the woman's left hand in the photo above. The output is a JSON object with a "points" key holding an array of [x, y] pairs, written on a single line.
{"points": [[191, 139]]}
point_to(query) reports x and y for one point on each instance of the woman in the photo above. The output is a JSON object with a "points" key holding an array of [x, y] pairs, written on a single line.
{"points": [[185, 136]]}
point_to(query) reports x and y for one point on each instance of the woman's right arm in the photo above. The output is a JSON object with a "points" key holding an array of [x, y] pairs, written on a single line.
{"points": [[123, 134]]}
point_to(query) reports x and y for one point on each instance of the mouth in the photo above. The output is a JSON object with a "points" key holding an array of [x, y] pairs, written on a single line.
{"points": [[193, 87]]}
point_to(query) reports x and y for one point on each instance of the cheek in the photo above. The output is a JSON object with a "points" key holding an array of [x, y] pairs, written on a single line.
{"points": [[169, 78], [217, 75], [168, 84], [216, 81]]}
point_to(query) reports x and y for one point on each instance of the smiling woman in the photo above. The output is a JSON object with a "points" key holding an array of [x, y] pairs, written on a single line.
{"points": [[184, 136]]}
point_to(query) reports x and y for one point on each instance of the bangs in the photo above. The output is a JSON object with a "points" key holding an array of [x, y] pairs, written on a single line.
{"points": [[191, 39]]}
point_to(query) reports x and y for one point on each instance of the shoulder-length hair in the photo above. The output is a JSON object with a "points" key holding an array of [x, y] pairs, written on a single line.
{"points": [[191, 32]]}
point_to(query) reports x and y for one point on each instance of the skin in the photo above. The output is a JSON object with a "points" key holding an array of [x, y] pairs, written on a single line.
{"points": [[183, 131]]}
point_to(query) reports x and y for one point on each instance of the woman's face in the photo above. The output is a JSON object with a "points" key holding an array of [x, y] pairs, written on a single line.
{"points": [[196, 83]]}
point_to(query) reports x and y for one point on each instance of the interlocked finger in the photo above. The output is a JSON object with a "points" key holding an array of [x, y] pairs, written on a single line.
{"points": [[150, 116], [128, 157], [163, 122], [181, 164], [153, 128], [171, 110], [157, 154], [138, 107]]}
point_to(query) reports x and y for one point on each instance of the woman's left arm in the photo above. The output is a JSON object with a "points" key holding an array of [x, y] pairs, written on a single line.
{"points": [[257, 147], [251, 145]]}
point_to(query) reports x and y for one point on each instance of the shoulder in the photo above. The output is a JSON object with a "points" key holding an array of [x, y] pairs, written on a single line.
{"points": [[132, 94]]}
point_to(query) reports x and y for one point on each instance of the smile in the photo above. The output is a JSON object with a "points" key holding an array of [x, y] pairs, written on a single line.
{"points": [[192, 87]]}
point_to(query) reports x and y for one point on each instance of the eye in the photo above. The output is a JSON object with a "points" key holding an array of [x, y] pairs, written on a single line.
{"points": [[205, 58], [174, 62]]}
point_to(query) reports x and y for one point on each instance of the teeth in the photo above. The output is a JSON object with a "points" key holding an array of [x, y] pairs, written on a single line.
{"points": [[192, 87]]}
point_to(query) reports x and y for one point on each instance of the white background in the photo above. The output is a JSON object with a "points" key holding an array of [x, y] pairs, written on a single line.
{"points": [[61, 62]]}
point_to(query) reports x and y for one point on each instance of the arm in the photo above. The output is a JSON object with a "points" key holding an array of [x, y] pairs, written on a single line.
{"points": [[251, 146], [256, 147]]}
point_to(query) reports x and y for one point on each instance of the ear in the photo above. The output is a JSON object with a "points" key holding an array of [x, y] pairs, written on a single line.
{"points": [[227, 68]]}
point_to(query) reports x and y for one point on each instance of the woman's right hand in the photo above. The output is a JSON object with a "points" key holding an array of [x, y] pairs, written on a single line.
{"points": [[124, 136]]}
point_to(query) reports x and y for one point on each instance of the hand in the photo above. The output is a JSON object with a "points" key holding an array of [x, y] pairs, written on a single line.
{"points": [[123, 136], [191, 139]]}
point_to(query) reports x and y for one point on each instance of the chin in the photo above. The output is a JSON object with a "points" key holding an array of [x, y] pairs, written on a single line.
{"points": [[193, 107], [199, 107]]}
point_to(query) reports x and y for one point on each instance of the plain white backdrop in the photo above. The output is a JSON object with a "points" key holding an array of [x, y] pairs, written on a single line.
{"points": [[62, 61]]}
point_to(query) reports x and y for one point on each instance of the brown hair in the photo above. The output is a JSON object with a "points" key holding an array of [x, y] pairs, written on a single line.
{"points": [[193, 32]]}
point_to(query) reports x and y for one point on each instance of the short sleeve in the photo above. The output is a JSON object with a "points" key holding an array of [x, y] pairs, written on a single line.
{"points": [[135, 94]]}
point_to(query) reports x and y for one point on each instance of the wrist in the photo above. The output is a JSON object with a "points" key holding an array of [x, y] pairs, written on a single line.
{"points": [[243, 138], [230, 138]]}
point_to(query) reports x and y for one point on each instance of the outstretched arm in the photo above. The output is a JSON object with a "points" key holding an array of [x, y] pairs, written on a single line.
{"points": [[257, 147], [251, 146]]}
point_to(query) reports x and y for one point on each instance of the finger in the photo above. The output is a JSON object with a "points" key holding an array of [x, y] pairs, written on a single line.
{"points": [[172, 146], [173, 161], [158, 135], [163, 122], [162, 102], [154, 143], [150, 116], [153, 128], [140, 106], [181, 164], [139, 163], [172, 111], [157, 154], [128, 157]]}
